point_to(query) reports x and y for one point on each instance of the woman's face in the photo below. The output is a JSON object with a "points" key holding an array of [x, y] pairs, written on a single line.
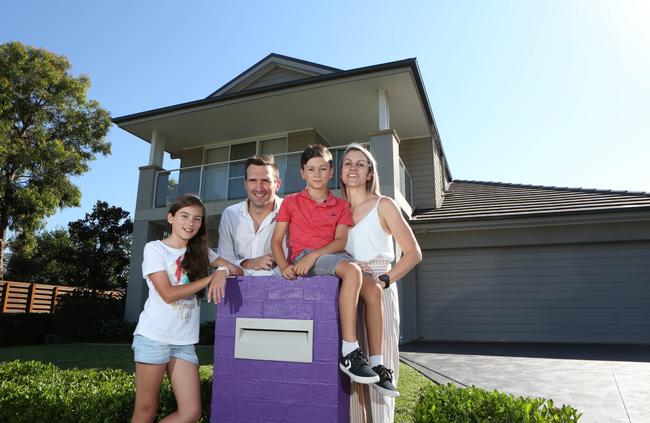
{"points": [[355, 170]]}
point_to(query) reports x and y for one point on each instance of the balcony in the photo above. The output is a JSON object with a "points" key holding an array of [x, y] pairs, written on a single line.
{"points": [[225, 181]]}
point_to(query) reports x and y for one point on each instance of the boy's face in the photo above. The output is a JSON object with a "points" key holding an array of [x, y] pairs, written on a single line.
{"points": [[317, 172]]}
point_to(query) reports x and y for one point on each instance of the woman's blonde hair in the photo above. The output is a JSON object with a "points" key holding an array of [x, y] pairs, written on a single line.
{"points": [[373, 184]]}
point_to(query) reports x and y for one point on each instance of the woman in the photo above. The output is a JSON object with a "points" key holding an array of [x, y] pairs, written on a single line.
{"points": [[377, 221]]}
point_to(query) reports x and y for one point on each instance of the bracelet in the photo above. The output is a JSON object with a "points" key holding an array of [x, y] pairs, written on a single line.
{"points": [[224, 268]]}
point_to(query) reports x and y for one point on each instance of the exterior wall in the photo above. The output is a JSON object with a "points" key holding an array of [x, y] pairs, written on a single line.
{"points": [[573, 283], [417, 155], [277, 75], [192, 157], [297, 141]]}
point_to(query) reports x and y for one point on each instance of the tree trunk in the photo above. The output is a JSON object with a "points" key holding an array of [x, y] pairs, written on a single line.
{"points": [[4, 222]]}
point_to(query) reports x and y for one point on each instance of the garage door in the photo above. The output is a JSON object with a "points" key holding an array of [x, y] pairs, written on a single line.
{"points": [[562, 293]]}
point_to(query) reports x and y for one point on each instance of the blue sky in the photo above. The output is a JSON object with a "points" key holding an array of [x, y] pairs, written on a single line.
{"points": [[536, 92]]}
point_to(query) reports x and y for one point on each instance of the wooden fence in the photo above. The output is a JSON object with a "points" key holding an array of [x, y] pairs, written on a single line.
{"points": [[25, 297]]}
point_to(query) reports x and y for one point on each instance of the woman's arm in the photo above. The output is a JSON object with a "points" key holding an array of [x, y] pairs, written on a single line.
{"points": [[392, 219]]}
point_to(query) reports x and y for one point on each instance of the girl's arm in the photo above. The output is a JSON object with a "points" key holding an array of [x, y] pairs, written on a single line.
{"points": [[393, 220], [232, 269], [171, 293]]}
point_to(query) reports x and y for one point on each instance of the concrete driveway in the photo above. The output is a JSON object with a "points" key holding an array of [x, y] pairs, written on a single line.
{"points": [[607, 383]]}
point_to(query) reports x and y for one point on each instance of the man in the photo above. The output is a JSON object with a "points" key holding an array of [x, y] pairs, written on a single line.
{"points": [[246, 228]]}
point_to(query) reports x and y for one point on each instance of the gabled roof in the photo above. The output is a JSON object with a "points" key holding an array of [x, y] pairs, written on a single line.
{"points": [[271, 70], [477, 200]]}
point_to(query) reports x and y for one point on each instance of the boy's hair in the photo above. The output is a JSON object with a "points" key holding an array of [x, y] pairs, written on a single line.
{"points": [[261, 160], [372, 186], [315, 150], [195, 260]]}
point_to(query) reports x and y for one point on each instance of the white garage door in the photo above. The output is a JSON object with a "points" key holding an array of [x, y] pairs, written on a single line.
{"points": [[562, 293]]}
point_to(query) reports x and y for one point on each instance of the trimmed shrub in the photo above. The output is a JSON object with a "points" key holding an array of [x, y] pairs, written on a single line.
{"points": [[92, 316], [33, 392], [23, 328], [450, 404]]}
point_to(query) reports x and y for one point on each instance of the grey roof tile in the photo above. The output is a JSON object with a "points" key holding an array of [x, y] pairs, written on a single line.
{"points": [[475, 200]]}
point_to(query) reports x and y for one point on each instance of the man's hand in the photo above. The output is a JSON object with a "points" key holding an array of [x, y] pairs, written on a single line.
{"points": [[304, 264], [217, 287], [289, 272], [266, 262]]}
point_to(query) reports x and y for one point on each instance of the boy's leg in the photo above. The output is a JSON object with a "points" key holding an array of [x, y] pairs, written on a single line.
{"points": [[350, 276], [148, 378], [371, 294], [186, 384]]}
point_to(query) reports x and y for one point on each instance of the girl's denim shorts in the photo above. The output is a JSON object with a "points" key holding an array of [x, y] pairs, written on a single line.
{"points": [[148, 351]]}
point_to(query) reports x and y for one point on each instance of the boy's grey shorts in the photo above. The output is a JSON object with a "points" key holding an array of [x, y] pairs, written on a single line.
{"points": [[326, 264]]}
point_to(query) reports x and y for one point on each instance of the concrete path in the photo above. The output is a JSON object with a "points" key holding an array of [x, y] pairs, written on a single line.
{"points": [[607, 383]]}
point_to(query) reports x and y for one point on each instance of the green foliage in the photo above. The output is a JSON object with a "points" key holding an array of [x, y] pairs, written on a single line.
{"points": [[24, 328], [450, 404], [94, 252], [49, 131], [35, 392], [92, 316]]}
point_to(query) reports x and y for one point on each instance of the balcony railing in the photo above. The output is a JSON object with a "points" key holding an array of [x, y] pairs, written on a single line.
{"points": [[225, 180]]}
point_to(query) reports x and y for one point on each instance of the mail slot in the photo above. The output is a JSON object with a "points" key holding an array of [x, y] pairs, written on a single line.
{"points": [[274, 339]]}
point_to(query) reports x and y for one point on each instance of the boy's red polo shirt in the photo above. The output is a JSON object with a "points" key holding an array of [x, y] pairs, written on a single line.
{"points": [[312, 225]]}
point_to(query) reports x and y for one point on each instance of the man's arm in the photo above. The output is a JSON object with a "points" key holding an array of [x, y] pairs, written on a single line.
{"points": [[337, 245]]}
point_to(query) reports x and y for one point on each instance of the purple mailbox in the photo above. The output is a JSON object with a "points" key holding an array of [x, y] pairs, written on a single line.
{"points": [[276, 351]]}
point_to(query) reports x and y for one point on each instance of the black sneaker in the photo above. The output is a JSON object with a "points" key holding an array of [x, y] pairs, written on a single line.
{"points": [[356, 366], [385, 385]]}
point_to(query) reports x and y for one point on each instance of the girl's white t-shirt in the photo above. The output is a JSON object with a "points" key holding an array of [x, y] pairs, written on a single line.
{"points": [[176, 323]]}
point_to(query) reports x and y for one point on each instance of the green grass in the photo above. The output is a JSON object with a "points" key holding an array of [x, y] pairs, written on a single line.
{"points": [[120, 356]]}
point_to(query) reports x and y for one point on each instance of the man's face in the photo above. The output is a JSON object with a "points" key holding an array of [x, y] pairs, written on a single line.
{"points": [[261, 186]]}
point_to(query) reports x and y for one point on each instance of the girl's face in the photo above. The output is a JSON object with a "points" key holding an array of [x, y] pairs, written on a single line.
{"points": [[355, 170], [186, 222]]}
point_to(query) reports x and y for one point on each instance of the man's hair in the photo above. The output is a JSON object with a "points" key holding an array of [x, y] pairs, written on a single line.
{"points": [[261, 160], [316, 150]]}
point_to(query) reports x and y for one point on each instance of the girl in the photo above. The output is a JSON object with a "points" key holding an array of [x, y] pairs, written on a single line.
{"points": [[377, 220], [175, 268]]}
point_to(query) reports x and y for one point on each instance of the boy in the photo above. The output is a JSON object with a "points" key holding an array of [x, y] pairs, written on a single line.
{"points": [[318, 229]]}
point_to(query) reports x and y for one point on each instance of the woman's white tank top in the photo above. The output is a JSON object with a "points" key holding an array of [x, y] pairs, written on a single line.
{"points": [[368, 242]]}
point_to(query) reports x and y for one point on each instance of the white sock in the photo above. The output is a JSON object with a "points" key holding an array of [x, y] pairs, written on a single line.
{"points": [[348, 347], [376, 360]]}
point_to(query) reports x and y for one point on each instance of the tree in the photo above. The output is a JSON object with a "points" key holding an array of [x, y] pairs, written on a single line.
{"points": [[49, 131], [102, 243], [94, 252]]}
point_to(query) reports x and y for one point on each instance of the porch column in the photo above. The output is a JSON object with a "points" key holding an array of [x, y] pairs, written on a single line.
{"points": [[157, 150], [383, 110], [143, 232], [385, 148]]}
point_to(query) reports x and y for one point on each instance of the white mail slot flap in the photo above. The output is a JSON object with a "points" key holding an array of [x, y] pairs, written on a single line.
{"points": [[274, 339]]}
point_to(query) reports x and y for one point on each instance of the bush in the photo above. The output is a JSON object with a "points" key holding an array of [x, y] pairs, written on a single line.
{"points": [[92, 316], [23, 328], [32, 392], [449, 404]]}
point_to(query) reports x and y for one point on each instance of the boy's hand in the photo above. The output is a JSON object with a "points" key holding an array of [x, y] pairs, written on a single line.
{"points": [[289, 272], [217, 287], [304, 264]]}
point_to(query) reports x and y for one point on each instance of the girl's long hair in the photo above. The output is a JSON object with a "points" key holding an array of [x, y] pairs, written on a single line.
{"points": [[195, 261], [372, 185]]}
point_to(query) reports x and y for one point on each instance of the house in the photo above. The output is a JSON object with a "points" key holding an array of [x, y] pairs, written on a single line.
{"points": [[502, 262]]}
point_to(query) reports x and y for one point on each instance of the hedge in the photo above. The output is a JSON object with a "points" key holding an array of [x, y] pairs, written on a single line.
{"points": [[32, 391], [450, 404]]}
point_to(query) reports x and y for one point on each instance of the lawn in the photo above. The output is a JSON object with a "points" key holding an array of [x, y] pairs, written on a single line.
{"points": [[119, 356]]}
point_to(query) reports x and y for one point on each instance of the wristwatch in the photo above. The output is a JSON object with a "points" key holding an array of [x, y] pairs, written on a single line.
{"points": [[385, 279]]}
